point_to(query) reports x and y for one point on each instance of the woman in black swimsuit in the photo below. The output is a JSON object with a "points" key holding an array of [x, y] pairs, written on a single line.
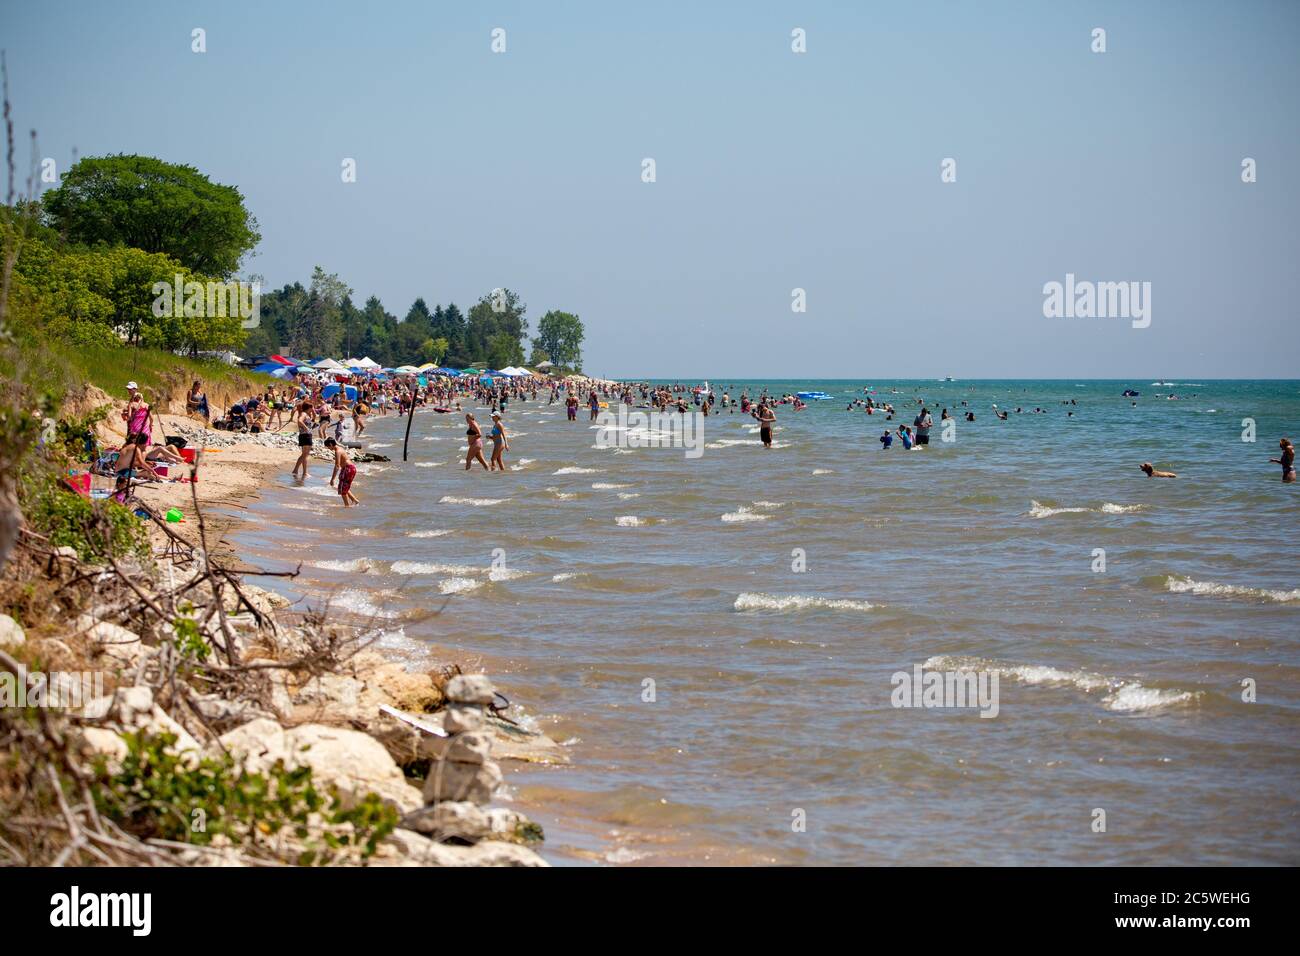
{"points": [[302, 418]]}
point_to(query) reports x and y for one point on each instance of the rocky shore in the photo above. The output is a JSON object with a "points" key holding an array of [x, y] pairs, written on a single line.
{"points": [[212, 671]]}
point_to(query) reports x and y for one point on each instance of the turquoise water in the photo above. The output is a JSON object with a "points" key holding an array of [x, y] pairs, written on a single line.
{"points": [[1119, 690]]}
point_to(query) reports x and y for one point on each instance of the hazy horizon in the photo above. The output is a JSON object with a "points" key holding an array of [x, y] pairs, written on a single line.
{"points": [[775, 170]]}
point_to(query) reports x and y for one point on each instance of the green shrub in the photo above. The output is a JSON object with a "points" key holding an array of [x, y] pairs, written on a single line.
{"points": [[156, 794], [94, 529]]}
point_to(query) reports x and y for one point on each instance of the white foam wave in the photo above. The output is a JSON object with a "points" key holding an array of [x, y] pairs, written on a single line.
{"points": [[425, 567], [1120, 695], [356, 564], [572, 470], [458, 585], [434, 533], [472, 502], [1039, 510], [797, 602], [744, 514], [1188, 586], [356, 601], [629, 521]]}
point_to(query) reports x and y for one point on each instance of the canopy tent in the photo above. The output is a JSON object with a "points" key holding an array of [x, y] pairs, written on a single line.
{"points": [[329, 391], [542, 365], [330, 365], [267, 368], [367, 362], [284, 361]]}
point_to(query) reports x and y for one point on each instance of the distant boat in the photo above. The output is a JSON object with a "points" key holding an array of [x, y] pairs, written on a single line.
{"points": [[949, 379]]}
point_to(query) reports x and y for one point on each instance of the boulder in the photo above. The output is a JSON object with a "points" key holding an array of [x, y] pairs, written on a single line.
{"points": [[450, 820], [460, 717], [353, 762], [132, 710], [100, 742], [348, 760], [11, 632], [258, 743], [408, 848], [449, 780], [469, 689], [124, 648]]}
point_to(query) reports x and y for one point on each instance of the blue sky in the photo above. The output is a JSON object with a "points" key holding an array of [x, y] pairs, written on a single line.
{"points": [[775, 170]]}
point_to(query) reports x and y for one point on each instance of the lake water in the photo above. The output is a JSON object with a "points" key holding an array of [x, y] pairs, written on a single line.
{"points": [[1118, 690]]}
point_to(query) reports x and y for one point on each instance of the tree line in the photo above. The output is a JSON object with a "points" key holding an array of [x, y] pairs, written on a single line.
{"points": [[117, 228]]}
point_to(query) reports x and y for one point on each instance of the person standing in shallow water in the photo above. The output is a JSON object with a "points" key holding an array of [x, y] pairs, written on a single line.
{"points": [[474, 435], [1287, 461], [766, 418], [500, 443], [302, 418], [344, 470]]}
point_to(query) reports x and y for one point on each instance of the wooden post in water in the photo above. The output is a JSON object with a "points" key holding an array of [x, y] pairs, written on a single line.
{"points": [[409, 415]]}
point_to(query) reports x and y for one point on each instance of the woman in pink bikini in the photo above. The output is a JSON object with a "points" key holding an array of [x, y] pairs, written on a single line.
{"points": [[474, 435]]}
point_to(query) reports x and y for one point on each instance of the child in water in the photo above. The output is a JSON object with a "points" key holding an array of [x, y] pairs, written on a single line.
{"points": [[886, 439], [344, 470]]}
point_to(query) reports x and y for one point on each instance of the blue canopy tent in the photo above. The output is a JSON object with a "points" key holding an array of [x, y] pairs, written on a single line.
{"points": [[329, 391]]}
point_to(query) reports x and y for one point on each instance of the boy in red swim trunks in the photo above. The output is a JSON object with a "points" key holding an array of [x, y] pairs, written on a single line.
{"points": [[344, 470]]}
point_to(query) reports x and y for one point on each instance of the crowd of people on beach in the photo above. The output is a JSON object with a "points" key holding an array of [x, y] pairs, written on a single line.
{"points": [[336, 414]]}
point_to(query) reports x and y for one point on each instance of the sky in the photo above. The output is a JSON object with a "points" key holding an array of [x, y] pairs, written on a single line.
{"points": [[774, 170]]}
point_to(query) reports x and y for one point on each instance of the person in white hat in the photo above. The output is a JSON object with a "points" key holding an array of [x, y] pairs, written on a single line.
{"points": [[137, 414]]}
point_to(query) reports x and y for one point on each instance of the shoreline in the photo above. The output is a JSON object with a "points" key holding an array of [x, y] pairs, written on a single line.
{"points": [[385, 715]]}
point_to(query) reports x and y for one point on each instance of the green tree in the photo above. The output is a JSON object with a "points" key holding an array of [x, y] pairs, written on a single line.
{"points": [[319, 329], [559, 336], [499, 313], [148, 204], [503, 349]]}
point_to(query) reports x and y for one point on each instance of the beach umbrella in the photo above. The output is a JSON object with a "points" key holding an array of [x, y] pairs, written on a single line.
{"points": [[282, 371], [406, 370]]}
